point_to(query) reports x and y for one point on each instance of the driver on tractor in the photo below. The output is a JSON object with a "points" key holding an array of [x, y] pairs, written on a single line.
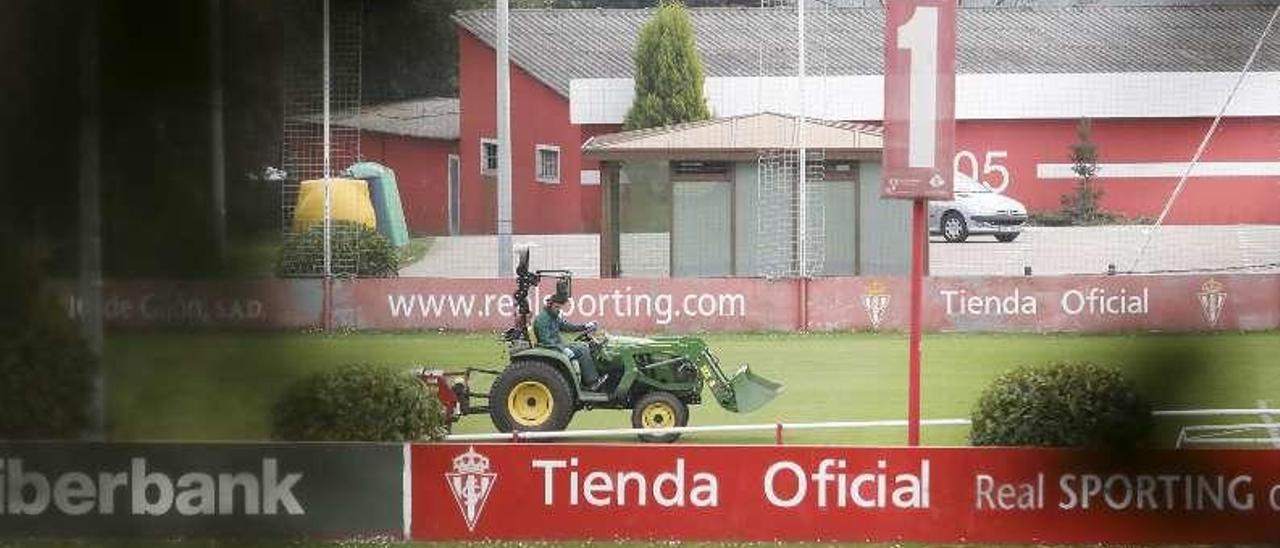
{"points": [[547, 328]]}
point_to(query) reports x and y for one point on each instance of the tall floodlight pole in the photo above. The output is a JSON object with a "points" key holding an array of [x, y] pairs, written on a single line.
{"points": [[328, 188], [90, 186], [217, 147], [505, 258], [328, 196], [802, 192]]}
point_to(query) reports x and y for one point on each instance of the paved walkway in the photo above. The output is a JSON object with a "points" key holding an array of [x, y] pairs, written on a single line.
{"points": [[1090, 250], [1047, 250]]}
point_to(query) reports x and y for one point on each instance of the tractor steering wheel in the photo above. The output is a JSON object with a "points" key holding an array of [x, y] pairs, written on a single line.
{"points": [[594, 337]]}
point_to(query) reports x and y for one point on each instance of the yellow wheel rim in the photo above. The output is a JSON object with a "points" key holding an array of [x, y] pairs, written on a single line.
{"points": [[530, 403], [658, 415]]}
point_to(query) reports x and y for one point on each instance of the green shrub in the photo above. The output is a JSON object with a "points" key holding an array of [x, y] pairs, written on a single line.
{"points": [[1061, 405], [357, 250], [358, 403], [46, 370]]}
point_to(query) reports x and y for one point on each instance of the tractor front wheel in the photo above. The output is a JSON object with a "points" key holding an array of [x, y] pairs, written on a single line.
{"points": [[530, 396], [659, 410]]}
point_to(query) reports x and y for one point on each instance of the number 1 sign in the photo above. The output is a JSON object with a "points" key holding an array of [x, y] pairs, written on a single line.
{"points": [[919, 99]]}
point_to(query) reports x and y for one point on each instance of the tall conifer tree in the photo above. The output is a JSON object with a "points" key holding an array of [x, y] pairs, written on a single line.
{"points": [[668, 75]]}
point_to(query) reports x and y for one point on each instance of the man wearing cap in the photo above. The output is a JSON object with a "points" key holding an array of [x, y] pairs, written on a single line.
{"points": [[548, 326]]}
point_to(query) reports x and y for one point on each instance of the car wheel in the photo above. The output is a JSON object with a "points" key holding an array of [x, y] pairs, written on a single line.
{"points": [[530, 396], [954, 229], [659, 410], [1007, 236]]}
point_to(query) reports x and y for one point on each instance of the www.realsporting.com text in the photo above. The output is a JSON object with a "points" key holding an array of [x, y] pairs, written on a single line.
{"points": [[662, 308]]}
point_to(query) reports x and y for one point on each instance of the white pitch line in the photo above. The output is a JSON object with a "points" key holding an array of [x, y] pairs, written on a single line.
{"points": [[1266, 417], [789, 427]]}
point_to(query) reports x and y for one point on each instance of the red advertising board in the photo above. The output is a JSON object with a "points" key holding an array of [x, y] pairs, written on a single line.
{"points": [[974, 303], [764, 493], [256, 304], [644, 305], [919, 99]]}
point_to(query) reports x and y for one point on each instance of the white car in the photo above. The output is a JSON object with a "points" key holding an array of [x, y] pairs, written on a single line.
{"points": [[976, 209]]}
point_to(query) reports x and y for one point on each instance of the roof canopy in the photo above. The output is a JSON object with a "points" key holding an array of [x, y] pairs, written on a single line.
{"points": [[739, 137], [559, 45], [426, 118]]}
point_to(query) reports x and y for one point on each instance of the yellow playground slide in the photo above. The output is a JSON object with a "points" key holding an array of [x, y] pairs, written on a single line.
{"points": [[349, 201]]}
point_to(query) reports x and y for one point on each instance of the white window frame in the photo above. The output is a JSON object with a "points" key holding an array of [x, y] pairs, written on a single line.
{"points": [[537, 164], [484, 160]]}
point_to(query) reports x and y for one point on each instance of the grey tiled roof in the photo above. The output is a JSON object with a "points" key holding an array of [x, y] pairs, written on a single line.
{"points": [[558, 45], [427, 118]]}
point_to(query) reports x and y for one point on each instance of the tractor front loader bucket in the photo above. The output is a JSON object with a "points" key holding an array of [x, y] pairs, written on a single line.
{"points": [[751, 391], [744, 393]]}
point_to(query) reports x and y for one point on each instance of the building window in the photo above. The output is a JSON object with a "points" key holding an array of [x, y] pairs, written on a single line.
{"points": [[548, 164], [488, 157], [697, 167], [840, 170]]}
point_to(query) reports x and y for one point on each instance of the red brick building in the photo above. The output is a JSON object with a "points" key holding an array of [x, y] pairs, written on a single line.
{"points": [[418, 140]]}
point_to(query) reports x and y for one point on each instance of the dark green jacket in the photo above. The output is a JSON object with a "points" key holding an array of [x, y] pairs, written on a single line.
{"points": [[547, 328]]}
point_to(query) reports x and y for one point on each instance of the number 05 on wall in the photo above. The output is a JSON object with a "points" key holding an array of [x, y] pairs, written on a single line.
{"points": [[919, 99]]}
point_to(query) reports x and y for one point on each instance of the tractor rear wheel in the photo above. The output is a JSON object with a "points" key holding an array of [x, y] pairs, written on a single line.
{"points": [[530, 396], [659, 410]]}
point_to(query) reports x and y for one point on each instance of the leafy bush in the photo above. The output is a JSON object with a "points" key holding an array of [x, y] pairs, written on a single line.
{"points": [[46, 370], [303, 254], [358, 403], [1065, 218], [1061, 405]]}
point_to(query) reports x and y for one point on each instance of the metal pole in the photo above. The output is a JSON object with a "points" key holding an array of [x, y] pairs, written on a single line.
{"points": [[90, 186], [328, 198], [918, 235], [803, 190], [217, 148], [504, 142]]}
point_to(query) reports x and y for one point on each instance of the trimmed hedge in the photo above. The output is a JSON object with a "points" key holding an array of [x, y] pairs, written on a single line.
{"points": [[1062, 405], [303, 254], [46, 370], [358, 403]]}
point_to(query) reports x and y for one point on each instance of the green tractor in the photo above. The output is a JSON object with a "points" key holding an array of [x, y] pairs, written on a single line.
{"points": [[657, 378]]}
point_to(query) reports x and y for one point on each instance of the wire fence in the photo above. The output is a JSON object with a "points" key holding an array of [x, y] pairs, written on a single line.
{"points": [[1184, 203], [1184, 186], [321, 95]]}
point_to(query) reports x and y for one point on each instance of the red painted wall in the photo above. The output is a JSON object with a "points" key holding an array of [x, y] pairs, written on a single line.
{"points": [[539, 115], [422, 175], [1204, 200]]}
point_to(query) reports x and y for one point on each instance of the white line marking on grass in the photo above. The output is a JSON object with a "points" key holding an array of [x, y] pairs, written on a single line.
{"points": [[1273, 432]]}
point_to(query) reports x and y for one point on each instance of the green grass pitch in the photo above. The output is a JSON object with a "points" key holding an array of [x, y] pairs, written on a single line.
{"points": [[179, 385]]}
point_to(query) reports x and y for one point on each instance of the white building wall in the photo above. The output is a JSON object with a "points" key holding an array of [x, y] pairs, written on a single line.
{"points": [[978, 96]]}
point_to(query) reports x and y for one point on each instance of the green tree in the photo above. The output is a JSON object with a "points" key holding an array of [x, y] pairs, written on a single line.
{"points": [[668, 75], [1083, 206]]}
